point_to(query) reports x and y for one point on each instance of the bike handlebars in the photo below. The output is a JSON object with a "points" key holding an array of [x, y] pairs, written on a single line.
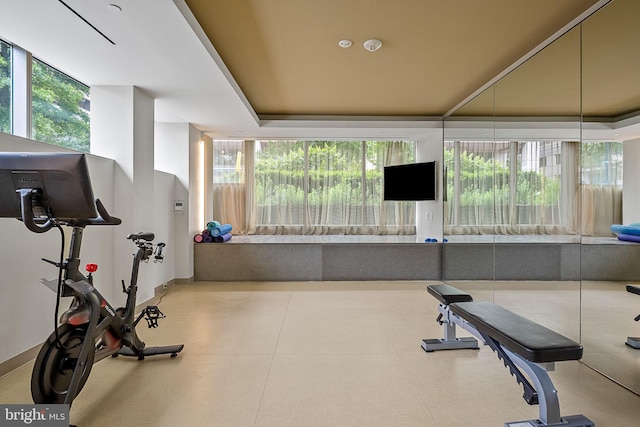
{"points": [[26, 203], [103, 218], [43, 225], [104, 215]]}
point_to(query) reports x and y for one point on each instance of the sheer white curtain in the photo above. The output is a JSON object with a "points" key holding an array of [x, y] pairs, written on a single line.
{"points": [[334, 196], [280, 186], [510, 187], [327, 187], [601, 187], [309, 187], [471, 175], [250, 187], [539, 199], [229, 184], [570, 187], [396, 217]]}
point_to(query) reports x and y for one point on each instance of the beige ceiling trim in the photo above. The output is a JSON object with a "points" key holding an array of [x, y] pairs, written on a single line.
{"points": [[204, 39], [304, 121]]}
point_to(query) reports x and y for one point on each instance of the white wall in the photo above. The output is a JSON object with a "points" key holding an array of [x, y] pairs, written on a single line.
{"points": [[177, 152], [429, 219]]}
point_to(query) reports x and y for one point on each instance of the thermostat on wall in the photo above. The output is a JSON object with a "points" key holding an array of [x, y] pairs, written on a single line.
{"points": [[178, 206]]}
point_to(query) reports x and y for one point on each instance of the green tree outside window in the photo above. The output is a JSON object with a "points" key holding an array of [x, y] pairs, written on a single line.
{"points": [[60, 108]]}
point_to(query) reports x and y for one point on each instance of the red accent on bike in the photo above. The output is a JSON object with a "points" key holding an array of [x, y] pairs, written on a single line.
{"points": [[92, 268], [103, 304], [79, 319]]}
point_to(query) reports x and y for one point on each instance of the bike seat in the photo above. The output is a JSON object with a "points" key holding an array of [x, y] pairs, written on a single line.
{"points": [[141, 235]]}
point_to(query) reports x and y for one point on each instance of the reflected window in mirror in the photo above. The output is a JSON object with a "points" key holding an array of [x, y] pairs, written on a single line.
{"points": [[601, 181], [511, 187]]}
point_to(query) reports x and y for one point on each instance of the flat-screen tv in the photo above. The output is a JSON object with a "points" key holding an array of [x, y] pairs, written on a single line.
{"points": [[60, 183], [414, 181]]}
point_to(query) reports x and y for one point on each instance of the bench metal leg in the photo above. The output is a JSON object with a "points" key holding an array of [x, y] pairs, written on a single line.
{"points": [[547, 398], [450, 342], [633, 342]]}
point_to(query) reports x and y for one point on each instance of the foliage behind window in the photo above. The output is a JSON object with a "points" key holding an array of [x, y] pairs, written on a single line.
{"points": [[60, 108]]}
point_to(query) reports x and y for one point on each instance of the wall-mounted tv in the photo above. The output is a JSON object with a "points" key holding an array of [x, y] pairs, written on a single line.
{"points": [[415, 181]]}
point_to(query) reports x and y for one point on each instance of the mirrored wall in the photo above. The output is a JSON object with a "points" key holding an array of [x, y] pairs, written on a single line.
{"points": [[533, 177], [611, 103]]}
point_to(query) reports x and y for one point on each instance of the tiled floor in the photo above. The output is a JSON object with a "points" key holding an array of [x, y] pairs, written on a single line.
{"points": [[316, 354]]}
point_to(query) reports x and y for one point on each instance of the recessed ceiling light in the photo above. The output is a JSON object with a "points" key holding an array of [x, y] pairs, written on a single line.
{"points": [[114, 8], [345, 43]]}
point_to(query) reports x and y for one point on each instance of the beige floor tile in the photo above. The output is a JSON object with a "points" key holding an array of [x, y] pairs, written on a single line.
{"points": [[15, 387], [333, 333], [309, 354], [190, 390], [341, 390]]}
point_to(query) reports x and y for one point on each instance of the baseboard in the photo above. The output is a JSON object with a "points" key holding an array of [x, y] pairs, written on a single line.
{"points": [[19, 360], [159, 290], [187, 281]]}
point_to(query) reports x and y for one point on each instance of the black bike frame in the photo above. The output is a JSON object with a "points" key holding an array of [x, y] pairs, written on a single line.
{"points": [[102, 316]]}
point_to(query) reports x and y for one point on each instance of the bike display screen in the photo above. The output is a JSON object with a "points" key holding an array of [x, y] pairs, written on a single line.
{"points": [[60, 183]]}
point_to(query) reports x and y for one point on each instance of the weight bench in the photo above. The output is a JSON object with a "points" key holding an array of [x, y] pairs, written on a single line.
{"points": [[524, 346]]}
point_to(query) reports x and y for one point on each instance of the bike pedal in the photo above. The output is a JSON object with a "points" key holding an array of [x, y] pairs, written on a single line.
{"points": [[151, 314]]}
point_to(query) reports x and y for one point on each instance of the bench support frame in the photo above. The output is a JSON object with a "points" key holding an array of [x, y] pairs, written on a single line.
{"points": [[546, 395], [450, 341]]}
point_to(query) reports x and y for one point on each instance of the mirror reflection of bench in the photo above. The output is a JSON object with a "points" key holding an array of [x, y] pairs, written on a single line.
{"points": [[527, 349], [634, 342]]}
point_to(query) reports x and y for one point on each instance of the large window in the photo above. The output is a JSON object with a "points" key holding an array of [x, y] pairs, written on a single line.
{"points": [[60, 105], [505, 187], [60, 108], [5, 87], [310, 187]]}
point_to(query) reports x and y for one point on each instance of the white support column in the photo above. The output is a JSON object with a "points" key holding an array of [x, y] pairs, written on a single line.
{"points": [[122, 129], [182, 150], [21, 99], [429, 214], [201, 180]]}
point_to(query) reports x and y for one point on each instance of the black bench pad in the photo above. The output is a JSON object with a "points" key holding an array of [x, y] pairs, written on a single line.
{"points": [[518, 334], [633, 289], [447, 294]]}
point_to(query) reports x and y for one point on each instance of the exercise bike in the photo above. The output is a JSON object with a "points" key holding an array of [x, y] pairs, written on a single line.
{"points": [[91, 328]]}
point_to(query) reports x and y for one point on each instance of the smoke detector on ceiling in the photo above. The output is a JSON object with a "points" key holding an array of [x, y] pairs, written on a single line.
{"points": [[372, 45], [345, 43]]}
